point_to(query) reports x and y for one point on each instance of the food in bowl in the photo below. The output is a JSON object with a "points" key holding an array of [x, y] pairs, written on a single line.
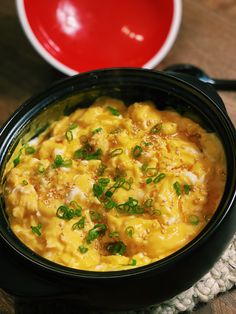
{"points": [[112, 187]]}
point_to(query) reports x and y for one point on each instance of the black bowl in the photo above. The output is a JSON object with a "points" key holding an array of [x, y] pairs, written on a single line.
{"points": [[25, 274]]}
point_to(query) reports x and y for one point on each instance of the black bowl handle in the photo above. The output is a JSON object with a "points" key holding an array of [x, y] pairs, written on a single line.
{"points": [[204, 87]]}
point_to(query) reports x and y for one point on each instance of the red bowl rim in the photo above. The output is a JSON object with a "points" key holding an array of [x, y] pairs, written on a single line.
{"points": [[156, 59]]}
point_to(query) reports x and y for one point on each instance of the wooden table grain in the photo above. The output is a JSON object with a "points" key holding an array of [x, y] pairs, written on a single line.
{"points": [[207, 38]]}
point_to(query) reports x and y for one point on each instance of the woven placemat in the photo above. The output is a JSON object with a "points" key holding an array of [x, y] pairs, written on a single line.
{"points": [[220, 278]]}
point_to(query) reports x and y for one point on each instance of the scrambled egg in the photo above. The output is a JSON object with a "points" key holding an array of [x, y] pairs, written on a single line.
{"points": [[114, 187]]}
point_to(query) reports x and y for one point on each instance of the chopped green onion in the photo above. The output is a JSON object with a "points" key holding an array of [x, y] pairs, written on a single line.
{"points": [[37, 229], [116, 152], [151, 172], [73, 126], [16, 161], [131, 207], [67, 163], [25, 182], [156, 128], [104, 181], [77, 208], [113, 234], [97, 190], [69, 136], [83, 153], [113, 111], [80, 154], [193, 219], [156, 212], [149, 180], [83, 249], [133, 262], [147, 143], [64, 212], [126, 185], [116, 248], [58, 161], [96, 131], [187, 188], [119, 182], [109, 193], [177, 188], [94, 233], [148, 202], [79, 224], [129, 231], [159, 177], [144, 166], [41, 169], [29, 150], [95, 216], [101, 169], [137, 151], [108, 203]]}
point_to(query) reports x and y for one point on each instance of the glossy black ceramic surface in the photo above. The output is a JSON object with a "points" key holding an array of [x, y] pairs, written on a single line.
{"points": [[151, 284]]}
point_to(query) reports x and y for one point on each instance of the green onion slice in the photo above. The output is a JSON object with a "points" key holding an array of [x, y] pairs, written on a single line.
{"points": [[129, 231], [133, 262], [137, 151], [144, 166], [159, 177], [187, 188], [117, 152], [95, 216], [148, 202], [83, 249], [37, 229], [73, 126], [113, 111], [84, 153], [29, 150], [156, 212], [69, 135], [116, 248], [194, 220], [41, 168], [151, 172], [16, 161], [79, 224], [156, 128], [64, 212], [113, 234], [147, 143], [96, 131], [177, 188], [149, 180], [101, 169], [94, 233], [58, 161]]}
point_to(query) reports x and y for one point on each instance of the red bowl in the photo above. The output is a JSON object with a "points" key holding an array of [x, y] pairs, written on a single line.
{"points": [[76, 36]]}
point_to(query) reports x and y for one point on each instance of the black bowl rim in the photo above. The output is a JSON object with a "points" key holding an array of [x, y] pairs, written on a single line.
{"points": [[211, 227]]}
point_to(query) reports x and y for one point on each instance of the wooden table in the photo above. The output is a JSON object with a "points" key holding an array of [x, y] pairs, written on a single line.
{"points": [[206, 39]]}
